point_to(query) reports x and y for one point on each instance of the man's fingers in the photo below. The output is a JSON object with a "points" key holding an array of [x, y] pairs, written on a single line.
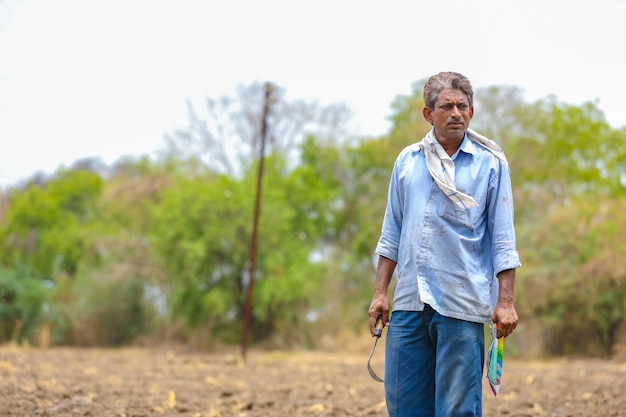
{"points": [[373, 318], [372, 325], [506, 330]]}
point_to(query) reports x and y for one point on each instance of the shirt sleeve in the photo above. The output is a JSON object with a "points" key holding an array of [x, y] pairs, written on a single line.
{"points": [[389, 241], [500, 221]]}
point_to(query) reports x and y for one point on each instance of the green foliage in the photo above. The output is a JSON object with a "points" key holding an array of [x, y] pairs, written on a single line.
{"points": [[57, 229], [43, 227], [23, 298], [200, 232], [408, 123], [131, 191], [564, 151], [108, 308], [500, 113], [76, 192], [313, 187], [580, 289]]}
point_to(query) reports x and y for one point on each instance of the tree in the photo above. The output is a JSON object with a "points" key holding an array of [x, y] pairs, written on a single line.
{"points": [[227, 141], [564, 152], [201, 233], [408, 123], [578, 283], [45, 239], [499, 113], [118, 291], [23, 301], [44, 226]]}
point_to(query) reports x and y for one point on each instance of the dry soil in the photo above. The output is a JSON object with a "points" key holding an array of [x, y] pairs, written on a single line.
{"points": [[174, 382]]}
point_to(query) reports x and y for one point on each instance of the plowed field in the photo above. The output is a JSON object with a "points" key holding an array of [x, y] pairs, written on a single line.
{"points": [[161, 382]]}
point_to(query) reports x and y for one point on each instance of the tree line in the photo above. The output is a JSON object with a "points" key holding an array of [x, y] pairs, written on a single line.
{"points": [[158, 249]]}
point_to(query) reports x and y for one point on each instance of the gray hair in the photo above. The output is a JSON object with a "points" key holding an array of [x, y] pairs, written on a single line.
{"points": [[444, 80]]}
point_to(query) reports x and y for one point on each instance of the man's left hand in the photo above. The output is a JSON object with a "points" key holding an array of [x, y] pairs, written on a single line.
{"points": [[505, 317]]}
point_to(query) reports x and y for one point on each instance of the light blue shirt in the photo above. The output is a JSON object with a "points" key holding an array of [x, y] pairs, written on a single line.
{"points": [[449, 257]]}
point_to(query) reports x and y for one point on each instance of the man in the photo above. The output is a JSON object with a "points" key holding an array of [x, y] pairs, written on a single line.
{"points": [[448, 228]]}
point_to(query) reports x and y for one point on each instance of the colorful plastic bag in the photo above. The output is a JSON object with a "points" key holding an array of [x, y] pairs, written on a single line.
{"points": [[494, 363]]}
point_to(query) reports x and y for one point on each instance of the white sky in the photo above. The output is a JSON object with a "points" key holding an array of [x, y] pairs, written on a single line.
{"points": [[83, 78]]}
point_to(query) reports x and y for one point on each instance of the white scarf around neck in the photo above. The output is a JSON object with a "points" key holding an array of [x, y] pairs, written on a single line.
{"points": [[441, 166]]}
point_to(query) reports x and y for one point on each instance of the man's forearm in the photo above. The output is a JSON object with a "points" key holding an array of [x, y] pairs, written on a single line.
{"points": [[384, 273], [507, 286], [505, 315]]}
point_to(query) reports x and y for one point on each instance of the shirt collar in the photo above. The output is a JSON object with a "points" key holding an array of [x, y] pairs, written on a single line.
{"points": [[467, 146]]}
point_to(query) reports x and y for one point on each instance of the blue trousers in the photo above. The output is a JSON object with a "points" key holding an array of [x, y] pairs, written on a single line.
{"points": [[433, 365]]}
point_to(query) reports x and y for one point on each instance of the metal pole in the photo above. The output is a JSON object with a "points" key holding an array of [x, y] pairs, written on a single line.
{"points": [[255, 228]]}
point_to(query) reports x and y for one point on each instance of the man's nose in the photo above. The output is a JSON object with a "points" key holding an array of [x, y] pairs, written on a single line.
{"points": [[456, 113]]}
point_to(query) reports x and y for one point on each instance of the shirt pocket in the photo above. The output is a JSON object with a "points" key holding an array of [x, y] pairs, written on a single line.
{"points": [[458, 216]]}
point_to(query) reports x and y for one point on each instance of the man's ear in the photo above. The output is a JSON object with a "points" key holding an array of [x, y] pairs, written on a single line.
{"points": [[471, 112], [428, 114]]}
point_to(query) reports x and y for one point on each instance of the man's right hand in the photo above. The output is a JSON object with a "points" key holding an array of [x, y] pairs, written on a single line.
{"points": [[380, 302], [379, 307]]}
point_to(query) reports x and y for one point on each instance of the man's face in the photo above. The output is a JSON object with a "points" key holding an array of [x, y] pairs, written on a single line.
{"points": [[451, 115]]}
